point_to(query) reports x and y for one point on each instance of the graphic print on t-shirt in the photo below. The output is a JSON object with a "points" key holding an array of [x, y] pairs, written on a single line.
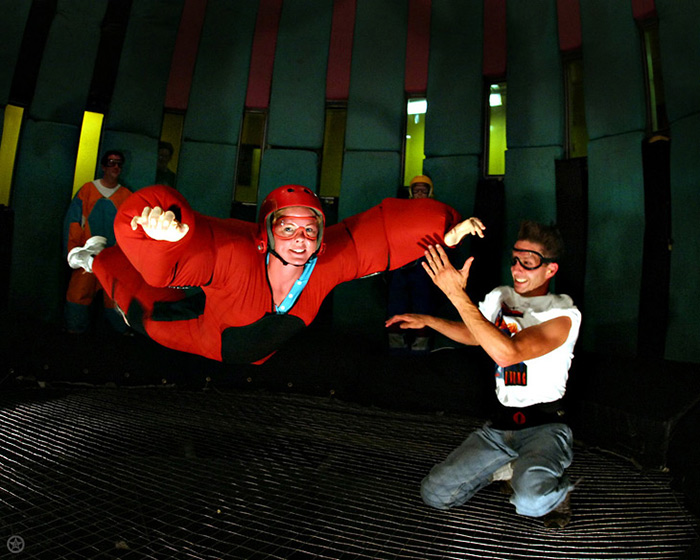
{"points": [[515, 374]]}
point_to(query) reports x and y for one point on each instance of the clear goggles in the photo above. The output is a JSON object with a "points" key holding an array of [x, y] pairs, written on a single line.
{"points": [[288, 227], [529, 260]]}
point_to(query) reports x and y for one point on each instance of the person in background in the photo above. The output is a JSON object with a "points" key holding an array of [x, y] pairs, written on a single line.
{"points": [[91, 214], [411, 290], [235, 291], [165, 175], [530, 334]]}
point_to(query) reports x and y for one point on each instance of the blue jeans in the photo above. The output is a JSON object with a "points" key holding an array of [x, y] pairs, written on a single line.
{"points": [[539, 457]]}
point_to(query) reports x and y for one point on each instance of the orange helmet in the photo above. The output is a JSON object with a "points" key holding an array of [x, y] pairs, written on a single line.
{"points": [[421, 179], [285, 197]]}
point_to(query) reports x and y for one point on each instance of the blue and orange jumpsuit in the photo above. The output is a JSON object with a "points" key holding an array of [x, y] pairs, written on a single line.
{"points": [[90, 213]]}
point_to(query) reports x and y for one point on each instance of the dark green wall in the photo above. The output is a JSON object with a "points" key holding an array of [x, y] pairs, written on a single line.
{"points": [[301, 58], [454, 127], [12, 22], [212, 125], [615, 113], [45, 164], [535, 113], [680, 54]]}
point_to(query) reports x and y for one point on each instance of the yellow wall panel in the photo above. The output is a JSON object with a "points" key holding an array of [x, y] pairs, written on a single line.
{"points": [[88, 149], [8, 150]]}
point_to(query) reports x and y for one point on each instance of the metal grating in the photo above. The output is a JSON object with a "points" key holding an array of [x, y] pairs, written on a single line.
{"points": [[90, 472]]}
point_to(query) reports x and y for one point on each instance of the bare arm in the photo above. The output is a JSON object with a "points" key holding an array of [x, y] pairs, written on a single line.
{"points": [[527, 344], [454, 330]]}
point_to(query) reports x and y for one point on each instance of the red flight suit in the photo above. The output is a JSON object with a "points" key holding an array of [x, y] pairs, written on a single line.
{"points": [[228, 314]]}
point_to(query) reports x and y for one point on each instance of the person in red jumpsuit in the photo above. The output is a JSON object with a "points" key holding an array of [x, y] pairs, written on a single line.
{"points": [[235, 291]]}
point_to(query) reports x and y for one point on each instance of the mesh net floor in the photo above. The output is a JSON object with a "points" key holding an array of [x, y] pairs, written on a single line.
{"points": [[96, 472]]}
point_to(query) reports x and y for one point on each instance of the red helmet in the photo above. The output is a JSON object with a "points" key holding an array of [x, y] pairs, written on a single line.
{"points": [[285, 197]]}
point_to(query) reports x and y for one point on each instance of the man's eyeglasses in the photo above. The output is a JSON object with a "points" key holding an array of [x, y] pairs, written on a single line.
{"points": [[529, 260], [114, 163]]}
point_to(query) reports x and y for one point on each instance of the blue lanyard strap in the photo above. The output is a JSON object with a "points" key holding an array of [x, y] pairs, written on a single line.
{"points": [[297, 288]]}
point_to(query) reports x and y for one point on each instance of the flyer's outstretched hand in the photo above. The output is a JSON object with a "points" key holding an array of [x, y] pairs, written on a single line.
{"points": [[470, 226], [159, 225]]}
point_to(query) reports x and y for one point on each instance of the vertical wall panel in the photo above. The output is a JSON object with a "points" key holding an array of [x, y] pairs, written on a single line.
{"points": [[572, 219], [376, 103], [454, 122], [370, 177], [417, 46], [185, 55], [45, 165], [144, 67], [31, 51], [656, 261], [136, 109], [109, 52], [360, 306], [205, 176], [615, 244], [12, 30], [656, 264], [569, 25], [530, 186], [67, 65], [287, 167], [455, 179], [682, 343], [46, 157], [374, 128], [216, 104], [495, 38], [679, 41], [643, 9], [221, 74], [571, 179], [340, 50], [679, 21], [263, 54], [298, 98], [614, 75], [535, 82], [24, 33], [535, 127], [615, 115]]}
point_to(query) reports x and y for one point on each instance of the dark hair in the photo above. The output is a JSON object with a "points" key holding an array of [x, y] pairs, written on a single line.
{"points": [[548, 236], [166, 146], [111, 153]]}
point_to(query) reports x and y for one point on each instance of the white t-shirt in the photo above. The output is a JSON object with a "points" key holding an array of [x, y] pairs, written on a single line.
{"points": [[542, 379], [105, 191]]}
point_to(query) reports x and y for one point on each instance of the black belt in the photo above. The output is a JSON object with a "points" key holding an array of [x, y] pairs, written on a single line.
{"points": [[513, 418]]}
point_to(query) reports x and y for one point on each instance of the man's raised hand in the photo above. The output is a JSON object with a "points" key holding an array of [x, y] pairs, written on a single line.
{"points": [[445, 276]]}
